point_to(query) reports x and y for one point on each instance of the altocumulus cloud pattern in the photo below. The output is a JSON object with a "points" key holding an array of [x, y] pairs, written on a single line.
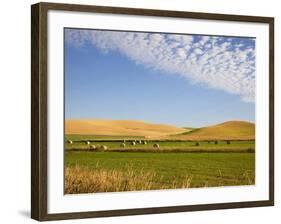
{"points": [[224, 63]]}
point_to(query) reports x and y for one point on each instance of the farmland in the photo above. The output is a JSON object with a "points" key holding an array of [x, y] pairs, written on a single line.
{"points": [[156, 156], [156, 170]]}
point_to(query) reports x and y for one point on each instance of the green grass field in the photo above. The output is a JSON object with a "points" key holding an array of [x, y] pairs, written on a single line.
{"points": [[175, 164], [204, 169]]}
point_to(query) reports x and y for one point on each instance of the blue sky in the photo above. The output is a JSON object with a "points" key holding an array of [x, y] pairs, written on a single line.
{"points": [[183, 80]]}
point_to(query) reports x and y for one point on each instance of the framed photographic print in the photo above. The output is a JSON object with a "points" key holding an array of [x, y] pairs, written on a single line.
{"points": [[139, 111]]}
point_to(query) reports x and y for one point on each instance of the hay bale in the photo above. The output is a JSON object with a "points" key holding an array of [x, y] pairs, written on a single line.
{"points": [[157, 146], [133, 143], [144, 142], [69, 141], [93, 148], [123, 145], [104, 147], [139, 141], [88, 142]]}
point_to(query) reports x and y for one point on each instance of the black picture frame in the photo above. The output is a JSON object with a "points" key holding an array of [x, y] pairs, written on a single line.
{"points": [[39, 106]]}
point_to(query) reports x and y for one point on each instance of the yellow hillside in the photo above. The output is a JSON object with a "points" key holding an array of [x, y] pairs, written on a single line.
{"points": [[240, 130], [119, 128]]}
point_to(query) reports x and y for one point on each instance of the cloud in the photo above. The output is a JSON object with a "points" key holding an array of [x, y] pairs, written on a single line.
{"points": [[222, 63]]}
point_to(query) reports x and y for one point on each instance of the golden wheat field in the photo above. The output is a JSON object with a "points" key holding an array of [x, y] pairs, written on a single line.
{"points": [[80, 179], [233, 130], [119, 128]]}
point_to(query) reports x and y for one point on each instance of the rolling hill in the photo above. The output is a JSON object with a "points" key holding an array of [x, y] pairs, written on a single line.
{"points": [[120, 128], [232, 130]]}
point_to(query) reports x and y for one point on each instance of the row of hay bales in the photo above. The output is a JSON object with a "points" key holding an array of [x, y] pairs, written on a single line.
{"points": [[135, 142], [98, 148], [144, 142], [215, 142], [132, 143], [92, 147], [123, 145], [71, 142]]}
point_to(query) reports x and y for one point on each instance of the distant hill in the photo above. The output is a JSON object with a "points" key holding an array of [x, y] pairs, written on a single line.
{"points": [[120, 128], [239, 130]]}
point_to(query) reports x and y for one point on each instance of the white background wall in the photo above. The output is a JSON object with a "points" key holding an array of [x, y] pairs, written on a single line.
{"points": [[15, 111]]}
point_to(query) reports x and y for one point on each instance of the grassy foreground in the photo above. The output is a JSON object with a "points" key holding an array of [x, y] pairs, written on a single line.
{"points": [[88, 172], [79, 179]]}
